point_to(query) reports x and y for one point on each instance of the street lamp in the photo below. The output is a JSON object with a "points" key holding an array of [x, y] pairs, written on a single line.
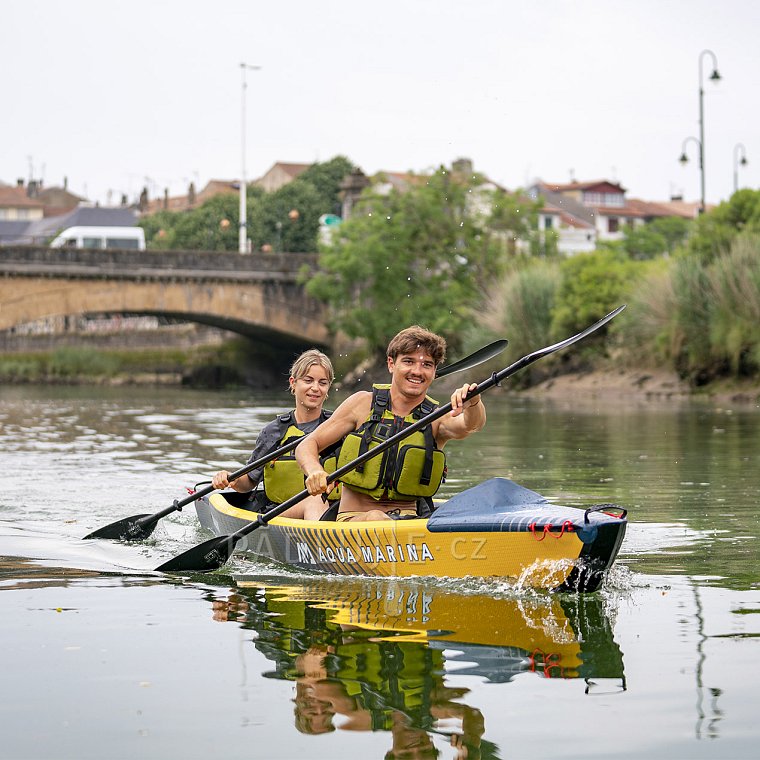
{"points": [[714, 77], [738, 149], [683, 159], [243, 240]]}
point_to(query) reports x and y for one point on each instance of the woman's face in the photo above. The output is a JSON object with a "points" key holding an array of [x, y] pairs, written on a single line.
{"points": [[311, 388]]}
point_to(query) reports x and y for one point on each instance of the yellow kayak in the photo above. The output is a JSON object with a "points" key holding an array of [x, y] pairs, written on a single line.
{"points": [[496, 529]]}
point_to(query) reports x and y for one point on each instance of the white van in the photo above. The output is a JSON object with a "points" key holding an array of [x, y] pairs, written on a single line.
{"points": [[101, 237]]}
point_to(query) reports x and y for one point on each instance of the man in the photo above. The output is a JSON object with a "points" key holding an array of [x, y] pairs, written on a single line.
{"points": [[388, 485]]}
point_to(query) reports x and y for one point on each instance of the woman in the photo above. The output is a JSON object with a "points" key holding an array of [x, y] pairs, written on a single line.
{"points": [[311, 376]]}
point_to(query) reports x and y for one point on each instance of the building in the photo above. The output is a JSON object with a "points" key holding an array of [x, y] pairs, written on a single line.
{"points": [[190, 201], [279, 175], [585, 213], [17, 204], [17, 210]]}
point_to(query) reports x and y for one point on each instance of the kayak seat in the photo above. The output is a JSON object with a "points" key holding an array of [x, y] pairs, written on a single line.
{"points": [[331, 513]]}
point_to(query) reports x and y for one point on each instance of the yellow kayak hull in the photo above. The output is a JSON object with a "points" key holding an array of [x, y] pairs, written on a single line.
{"points": [[571, 552]]}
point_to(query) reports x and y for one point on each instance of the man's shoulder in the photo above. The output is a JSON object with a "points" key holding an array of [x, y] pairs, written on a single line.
{"points": [[361, 396], [357, 406]]}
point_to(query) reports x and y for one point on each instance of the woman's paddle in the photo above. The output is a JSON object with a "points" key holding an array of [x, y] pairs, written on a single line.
{"points": [[138, 527], [215, 552]]}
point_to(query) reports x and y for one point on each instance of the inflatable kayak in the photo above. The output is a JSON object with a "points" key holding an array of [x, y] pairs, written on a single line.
{"points": [[495, 529]]}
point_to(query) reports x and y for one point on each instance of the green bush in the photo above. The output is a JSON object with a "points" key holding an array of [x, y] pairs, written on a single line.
{"points": [[702, 318], [527, 303], [734, 324], [592, 285]]}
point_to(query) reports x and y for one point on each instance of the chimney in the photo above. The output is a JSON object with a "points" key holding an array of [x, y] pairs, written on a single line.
{"points": [[463, 166]]}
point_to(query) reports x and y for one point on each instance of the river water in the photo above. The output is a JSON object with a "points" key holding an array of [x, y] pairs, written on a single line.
{"points": [[104, 658]]}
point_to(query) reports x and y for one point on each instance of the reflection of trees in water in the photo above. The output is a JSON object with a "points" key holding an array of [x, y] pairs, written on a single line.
{"points": [[369, 657]]}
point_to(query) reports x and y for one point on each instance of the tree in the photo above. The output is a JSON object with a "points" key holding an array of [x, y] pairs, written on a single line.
{"points": [[591, 285], [656, 238], [716, 230], [423, 255], [287, 219], [515, 217]]}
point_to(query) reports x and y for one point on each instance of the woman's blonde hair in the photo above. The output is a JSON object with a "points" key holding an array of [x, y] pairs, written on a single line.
{"points": [[308, 359]]}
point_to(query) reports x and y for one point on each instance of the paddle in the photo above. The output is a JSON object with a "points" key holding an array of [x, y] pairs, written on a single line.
{"points": [[138, 527], [215, 552]]}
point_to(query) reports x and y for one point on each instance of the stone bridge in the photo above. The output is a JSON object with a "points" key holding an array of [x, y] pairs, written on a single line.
{"points": [[258, 296]]}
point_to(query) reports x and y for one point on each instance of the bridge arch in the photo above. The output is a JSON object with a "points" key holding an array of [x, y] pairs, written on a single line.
{"points": [[261, 299]]}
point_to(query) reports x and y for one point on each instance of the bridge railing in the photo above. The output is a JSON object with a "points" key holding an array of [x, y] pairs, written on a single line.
{"points": [[77, 262]]}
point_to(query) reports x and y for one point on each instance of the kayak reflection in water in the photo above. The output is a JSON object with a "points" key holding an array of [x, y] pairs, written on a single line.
{"points": [[372, 685], [402, 697], [374, 657]]}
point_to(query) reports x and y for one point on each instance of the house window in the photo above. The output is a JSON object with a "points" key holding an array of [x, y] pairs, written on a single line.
{"points": [[613, 224], [548, 221], [604, 199]]}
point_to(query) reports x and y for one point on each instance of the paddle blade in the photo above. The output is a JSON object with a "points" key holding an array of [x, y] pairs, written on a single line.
{"points": [[473, 360], [209, 555], [134, 528]]}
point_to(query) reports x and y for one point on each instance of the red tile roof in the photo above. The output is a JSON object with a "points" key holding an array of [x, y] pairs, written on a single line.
{"points": [[16, 197]]}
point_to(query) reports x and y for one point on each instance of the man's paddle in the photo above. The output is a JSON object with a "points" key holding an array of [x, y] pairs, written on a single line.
{"points": [[138, 527], [215, 552]]}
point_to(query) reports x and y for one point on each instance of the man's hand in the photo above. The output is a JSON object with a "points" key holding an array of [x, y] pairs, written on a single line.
{"points": [[459, 400], [316, 482]]}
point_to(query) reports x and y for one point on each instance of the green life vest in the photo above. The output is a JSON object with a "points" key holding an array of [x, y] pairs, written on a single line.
{"points": [[414, 467], [283, 477]]}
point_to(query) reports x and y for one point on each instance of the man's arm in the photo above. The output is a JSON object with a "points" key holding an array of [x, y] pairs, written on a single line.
{"points": [[344, 419], [467, 416]]}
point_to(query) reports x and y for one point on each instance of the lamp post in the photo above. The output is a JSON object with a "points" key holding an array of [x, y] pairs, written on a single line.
{"points": [[683, 159], [243, 240], [738, 150], [714, 77]]}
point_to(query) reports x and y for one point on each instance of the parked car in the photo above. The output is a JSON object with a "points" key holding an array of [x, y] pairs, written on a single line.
{"points": [[101, 237]]}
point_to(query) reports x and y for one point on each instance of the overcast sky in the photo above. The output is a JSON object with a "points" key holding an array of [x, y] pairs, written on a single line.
{"points": [[117, 95]]}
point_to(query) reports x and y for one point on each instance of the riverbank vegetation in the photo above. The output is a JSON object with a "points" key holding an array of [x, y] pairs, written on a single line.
{"points": [[470, 264], [465, 258], [233, 363]]}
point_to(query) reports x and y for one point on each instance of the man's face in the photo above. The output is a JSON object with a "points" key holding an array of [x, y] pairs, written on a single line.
{"points": [[412, 373]]}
